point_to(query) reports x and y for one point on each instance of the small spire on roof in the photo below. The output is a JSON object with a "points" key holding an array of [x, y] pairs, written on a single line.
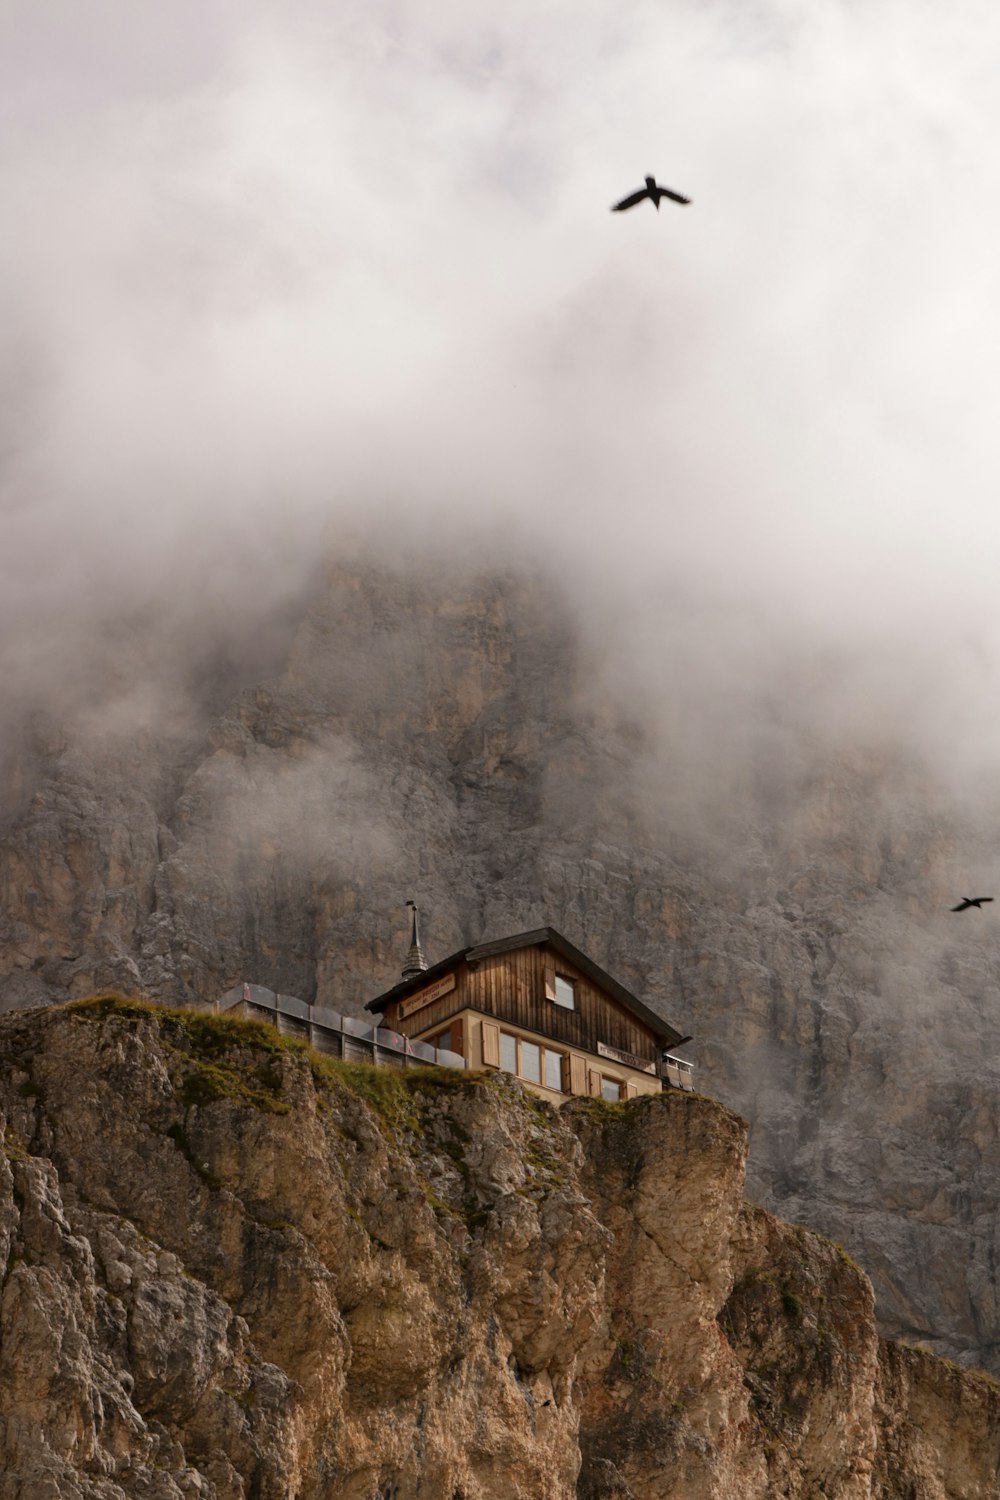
{"points": [[415, 963]]}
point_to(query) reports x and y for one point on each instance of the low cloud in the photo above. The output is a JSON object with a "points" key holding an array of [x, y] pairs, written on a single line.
{"points": [[312, 806], [276, 287]]}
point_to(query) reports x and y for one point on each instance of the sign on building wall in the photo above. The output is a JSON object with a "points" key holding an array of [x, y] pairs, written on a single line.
{"points": [[425, 997], [628, 1058]]}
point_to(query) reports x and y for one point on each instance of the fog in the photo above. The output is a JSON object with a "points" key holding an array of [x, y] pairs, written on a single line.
{"points": [[274, 284]]}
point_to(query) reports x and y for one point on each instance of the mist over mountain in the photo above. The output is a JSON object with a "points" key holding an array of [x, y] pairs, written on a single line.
{"points": [[383, 518], [267, 279]]}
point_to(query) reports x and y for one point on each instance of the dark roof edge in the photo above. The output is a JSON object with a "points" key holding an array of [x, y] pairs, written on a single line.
{"points": [[608, 982], [532, 939], [535, 939], [416, 981]]}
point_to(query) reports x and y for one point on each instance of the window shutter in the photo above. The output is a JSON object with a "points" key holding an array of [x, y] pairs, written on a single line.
{"points": [[491, 1045], [550, 976], [595, 1083], [577, 1074], [456, 1038], [631, 1089]]}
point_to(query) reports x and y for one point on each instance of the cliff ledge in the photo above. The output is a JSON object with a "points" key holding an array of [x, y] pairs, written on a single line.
{"points": [[233, 1268]]}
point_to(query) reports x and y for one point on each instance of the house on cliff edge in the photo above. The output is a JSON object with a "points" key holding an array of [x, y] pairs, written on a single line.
{"points": [[533, 1005], [530, 1005]]}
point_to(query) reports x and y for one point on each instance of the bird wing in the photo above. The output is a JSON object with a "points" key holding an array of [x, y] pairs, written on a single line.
{"points": [[676, 196], [630, 201], [963, 905], [984, 898]]}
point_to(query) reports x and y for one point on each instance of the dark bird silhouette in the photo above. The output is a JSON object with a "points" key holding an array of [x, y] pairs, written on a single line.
{"points": [[968, 901], [653, 192]]}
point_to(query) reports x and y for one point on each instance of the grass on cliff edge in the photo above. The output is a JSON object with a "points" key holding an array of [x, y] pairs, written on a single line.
{"points": [[389, 1092], [206, 1031], [209, 1037]]}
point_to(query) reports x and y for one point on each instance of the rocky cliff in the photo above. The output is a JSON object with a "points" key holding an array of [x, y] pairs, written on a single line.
{"points": [[434, 732], [233, 1268]]}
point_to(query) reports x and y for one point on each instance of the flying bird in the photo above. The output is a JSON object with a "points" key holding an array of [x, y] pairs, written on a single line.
{"points": [[968, 901], [653, 192]]}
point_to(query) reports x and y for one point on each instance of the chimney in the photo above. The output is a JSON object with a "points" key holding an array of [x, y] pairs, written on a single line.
{"points": [[415, 963]]}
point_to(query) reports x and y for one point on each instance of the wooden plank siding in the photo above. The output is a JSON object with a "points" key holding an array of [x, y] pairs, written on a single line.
{"points": [[511, 987], [433, 1015]]}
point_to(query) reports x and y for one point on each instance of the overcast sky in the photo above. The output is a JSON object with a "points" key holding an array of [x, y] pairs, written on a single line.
{"points": [[269, 269]]}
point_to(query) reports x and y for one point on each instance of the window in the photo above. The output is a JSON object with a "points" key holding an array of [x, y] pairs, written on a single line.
{"points": [[450, 1038], [611, 1090], [508, 1052], [553, 1070], [531, 1062], [565, 995]]}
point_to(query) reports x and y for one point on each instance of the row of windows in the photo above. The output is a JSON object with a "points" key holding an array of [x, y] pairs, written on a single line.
{"points": [[530, 1061], [537, 1064]]}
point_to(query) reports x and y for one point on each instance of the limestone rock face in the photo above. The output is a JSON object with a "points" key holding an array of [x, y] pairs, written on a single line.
{"points": [[449, 736], [913, 1402], [232, 1268]]}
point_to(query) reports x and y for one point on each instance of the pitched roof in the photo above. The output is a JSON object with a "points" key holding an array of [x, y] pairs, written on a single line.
{"points": [[534, 939]]}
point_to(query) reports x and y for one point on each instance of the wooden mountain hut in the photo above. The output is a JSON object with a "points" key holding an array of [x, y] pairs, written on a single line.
{"points": [[534, 1006]]}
